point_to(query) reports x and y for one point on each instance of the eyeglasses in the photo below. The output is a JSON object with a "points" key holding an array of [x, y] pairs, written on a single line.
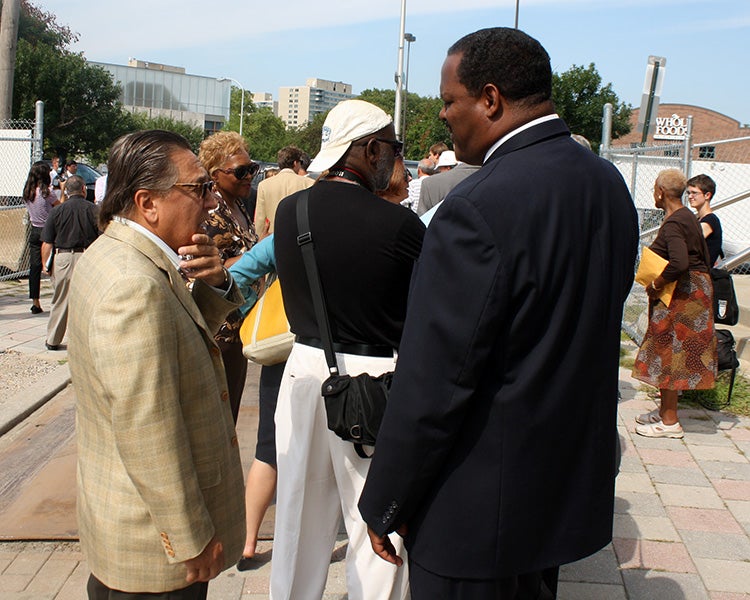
{"points": [[698, 193], [243, 170], [202, 188], [397, 145]]}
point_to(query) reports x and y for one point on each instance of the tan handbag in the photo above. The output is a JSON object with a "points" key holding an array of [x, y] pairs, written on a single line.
{"points": [[265, 335]]}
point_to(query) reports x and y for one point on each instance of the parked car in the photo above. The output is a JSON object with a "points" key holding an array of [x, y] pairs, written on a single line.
{"points": [[412, 166]]}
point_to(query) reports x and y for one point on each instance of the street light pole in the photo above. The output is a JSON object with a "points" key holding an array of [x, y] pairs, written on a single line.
{"points": [[409, 39], [517, 1], [400, 72], [242, 98]]}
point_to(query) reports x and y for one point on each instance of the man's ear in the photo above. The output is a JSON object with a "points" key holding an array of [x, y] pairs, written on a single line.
{"points": [[372, 152], [494, 102], [146, 205]]}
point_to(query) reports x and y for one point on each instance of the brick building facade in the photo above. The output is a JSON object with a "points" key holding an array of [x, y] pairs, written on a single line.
{"points": [[708, 126]]}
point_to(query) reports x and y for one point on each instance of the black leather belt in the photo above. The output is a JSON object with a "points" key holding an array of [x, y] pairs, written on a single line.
{"points": [[358, 349], [58, 250]]}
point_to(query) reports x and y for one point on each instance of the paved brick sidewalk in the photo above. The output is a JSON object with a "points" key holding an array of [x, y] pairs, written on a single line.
{"points": [[681, 524]]}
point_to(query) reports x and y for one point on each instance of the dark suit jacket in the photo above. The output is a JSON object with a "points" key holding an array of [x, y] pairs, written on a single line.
{"points": [[436, 187], [498, 443]]}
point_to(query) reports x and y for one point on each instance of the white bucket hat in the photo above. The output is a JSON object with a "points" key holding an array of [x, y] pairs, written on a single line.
{"points": [[348, 121], [447, 159]]}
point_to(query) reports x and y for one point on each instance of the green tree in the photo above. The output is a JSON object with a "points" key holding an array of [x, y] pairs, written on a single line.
{"points": [[265, 133], [423, 125], [82, 112], [580, 98], [235, 104], [307, 137]]}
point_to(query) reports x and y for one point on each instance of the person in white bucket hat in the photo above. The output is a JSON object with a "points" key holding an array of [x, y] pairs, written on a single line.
{"points": [[365, 249]]}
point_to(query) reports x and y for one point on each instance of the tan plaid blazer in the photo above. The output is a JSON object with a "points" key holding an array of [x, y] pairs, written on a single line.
{"points": [[159, 469]]}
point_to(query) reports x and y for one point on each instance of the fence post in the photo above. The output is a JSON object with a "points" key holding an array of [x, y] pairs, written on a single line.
{"points": [[606, 131], [38, 131], [689, 147]]}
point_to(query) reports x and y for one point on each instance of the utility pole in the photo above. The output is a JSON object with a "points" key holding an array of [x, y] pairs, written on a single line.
{"points": [[400, 74], [8, 43]]}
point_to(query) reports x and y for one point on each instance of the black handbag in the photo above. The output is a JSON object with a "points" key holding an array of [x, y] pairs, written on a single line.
{"points": [[354, 405], [727, 358], [726, 309], [725, 350]]}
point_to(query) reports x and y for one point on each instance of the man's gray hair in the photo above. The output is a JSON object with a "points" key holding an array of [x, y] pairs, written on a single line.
{"points": [[141, 160], [74, 186], [427, 166]]}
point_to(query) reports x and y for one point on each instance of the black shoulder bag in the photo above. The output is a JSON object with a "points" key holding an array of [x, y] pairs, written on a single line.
{"points": [[354, 405]]}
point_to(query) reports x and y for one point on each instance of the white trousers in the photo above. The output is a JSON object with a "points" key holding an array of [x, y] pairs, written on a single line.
{"points": [[320, 478]]}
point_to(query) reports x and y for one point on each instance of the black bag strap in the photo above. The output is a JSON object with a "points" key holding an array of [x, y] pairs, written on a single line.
{"points": [[305, 242]]}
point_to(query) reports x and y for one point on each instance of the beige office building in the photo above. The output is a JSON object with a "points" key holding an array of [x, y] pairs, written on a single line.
{"points": [[299, 104], [265, 100]]}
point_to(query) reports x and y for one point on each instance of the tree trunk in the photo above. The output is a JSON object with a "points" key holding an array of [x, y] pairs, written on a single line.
{"points": [[8, 43]]}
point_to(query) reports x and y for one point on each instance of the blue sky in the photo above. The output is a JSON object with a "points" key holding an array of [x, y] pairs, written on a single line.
{"points": [[265, 45]]}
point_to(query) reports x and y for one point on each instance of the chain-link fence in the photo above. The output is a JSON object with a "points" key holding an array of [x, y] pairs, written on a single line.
{"points": [[20, 143], [727, 162]]}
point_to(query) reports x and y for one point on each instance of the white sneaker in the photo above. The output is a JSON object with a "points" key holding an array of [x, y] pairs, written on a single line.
{"points": [[659, 430]]}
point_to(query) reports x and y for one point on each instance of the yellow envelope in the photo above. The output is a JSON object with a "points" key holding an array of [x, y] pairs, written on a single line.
{"points": [[651, 266]]}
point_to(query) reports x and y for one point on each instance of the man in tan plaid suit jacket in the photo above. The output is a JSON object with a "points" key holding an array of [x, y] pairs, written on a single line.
{"points": [[160, 484]]}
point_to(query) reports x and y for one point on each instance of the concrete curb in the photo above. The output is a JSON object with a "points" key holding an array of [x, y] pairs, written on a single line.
{"points": [[23, 403]]}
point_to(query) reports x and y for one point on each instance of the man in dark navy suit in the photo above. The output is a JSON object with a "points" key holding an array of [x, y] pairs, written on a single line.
{"points": [[496, 456]]}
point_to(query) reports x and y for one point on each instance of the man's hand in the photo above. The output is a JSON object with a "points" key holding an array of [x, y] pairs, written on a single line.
{"points": [[208, 564], [383, 547], [202, 261]]}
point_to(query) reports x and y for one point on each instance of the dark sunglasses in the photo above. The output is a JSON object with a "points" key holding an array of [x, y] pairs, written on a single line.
{"points": [[398, 147], [243, 170], [202, 188]]}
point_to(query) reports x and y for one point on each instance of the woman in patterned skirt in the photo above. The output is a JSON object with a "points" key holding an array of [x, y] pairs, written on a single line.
{"points": [[679, 349]]}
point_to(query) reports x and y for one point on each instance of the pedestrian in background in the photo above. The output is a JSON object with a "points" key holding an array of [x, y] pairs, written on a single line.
{"points": [[39, 199], [70, 228], [701, 189], [678, 351], [225, 155]]}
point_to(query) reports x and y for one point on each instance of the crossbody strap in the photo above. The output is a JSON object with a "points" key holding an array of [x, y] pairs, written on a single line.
{"points": [[305, 242]]}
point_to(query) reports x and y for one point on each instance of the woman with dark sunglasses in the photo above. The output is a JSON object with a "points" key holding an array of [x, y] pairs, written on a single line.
{"points": [[226, 158]]}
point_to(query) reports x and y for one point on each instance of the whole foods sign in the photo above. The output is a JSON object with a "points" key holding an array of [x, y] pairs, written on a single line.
{"points": [[670, 128]]}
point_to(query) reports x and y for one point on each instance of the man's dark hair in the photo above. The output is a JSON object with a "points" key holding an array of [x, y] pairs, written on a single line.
{"points": [[704, 183], [305, 160], [141, 160], [70, 163], [287, 156], [74, 186], [511, 60]]}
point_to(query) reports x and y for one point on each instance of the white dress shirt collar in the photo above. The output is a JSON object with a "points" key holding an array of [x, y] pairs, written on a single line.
{"points": [[516, 131], [171, 254]]}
